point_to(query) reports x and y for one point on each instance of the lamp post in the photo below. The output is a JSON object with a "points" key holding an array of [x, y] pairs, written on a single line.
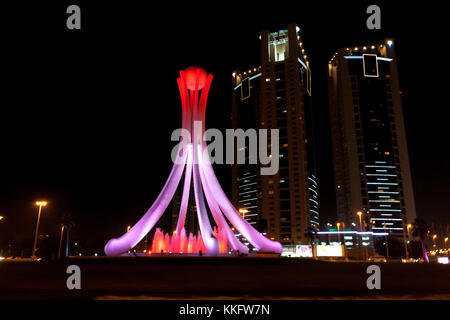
{"points": [[445, 242], [339, 236], [1, 218], [386, 240], [329, 225], [60, 241], [243, 212], [434, 240], [404, 239], [362, 229], [359, 213], [40, 204]]}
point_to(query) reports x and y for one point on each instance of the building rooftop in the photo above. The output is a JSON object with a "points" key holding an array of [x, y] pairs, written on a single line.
{"points": [[378, 49]]}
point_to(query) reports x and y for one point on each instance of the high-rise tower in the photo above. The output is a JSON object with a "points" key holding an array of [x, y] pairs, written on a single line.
{"points": [[277, 95], [371, 164]]}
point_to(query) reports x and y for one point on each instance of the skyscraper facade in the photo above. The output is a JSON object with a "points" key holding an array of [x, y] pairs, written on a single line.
{"points": [[371, 164], [277, 95]]}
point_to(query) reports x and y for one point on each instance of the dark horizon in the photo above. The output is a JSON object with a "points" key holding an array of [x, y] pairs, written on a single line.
{"points": [[87, 117]]}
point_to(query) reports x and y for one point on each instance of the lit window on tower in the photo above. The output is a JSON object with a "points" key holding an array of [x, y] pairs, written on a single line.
{"points": [[278, 46]]}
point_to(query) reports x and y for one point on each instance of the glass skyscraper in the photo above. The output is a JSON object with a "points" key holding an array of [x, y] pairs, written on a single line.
{"points": [[277, 95], [371, 164]]}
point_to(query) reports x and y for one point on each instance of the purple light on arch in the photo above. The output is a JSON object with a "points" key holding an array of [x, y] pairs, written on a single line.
{"points": [[198, 169]]}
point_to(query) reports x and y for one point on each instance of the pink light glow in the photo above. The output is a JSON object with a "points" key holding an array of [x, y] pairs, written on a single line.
{"points": [[210, 240], [194, 75], [164, 243]]}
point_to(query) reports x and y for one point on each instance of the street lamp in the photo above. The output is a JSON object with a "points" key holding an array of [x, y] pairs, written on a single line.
{"points": [[409, 226], [339, 236], [128, 228], [361, 228], [1, 218], [404, 238], [60, 241], [434, 240], [386, 240], [445, 242], [359, 213], [40, 204], [243, 212]]}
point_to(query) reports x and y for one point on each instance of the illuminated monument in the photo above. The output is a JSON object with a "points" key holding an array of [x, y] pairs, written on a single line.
{"points": [[193, 159]]}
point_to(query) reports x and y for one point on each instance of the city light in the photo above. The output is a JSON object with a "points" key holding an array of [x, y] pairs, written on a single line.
{"points": [[195, 78], [329, 250], [339, 235], [359, 213], [259, 234], [243, 212], [40, 204]]}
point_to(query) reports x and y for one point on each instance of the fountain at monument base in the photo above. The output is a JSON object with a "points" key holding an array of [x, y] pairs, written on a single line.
{"points": [[185, 244]]}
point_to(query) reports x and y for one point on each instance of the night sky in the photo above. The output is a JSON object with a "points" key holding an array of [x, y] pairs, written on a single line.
{"points": [[86, 116]]}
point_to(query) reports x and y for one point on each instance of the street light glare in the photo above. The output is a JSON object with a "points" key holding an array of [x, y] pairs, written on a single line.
{"points": [[40, 204], [359, 213]]}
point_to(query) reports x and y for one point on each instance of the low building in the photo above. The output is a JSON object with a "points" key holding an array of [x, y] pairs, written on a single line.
{"points": [[358, 245]]}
